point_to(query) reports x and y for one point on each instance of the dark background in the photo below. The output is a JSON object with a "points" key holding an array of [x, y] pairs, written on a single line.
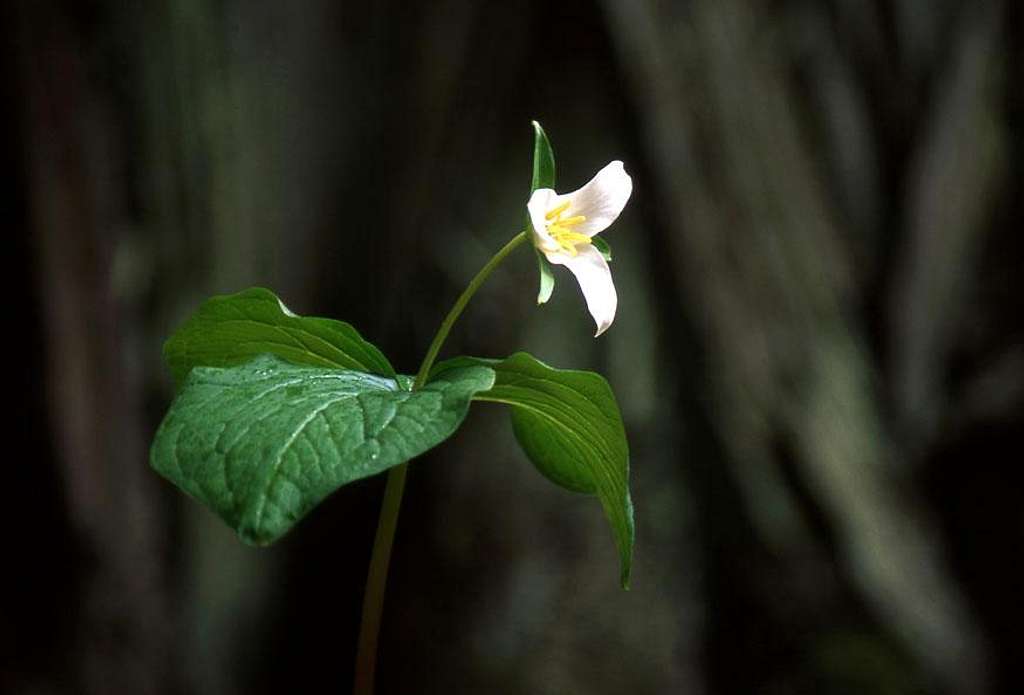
{"points": [[819, 351]]}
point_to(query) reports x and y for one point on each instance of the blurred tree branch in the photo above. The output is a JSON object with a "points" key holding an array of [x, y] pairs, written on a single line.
{"points": [[95, 384], [766, 270]]}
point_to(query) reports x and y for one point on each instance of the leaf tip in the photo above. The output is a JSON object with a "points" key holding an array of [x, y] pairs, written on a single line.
{"points": [[251, 535]]}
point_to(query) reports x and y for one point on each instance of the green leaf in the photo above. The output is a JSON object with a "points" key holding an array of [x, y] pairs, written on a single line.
{"points": [[547, 279], [602, 246], [263, 443], [543, 160], [232, 329], [569, 426]]}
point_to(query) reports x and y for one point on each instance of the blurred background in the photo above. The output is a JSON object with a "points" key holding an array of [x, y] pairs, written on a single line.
{"points": [[819, 351]]}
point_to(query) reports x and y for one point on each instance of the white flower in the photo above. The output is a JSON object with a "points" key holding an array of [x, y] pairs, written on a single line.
{"points": [[563, 226]]}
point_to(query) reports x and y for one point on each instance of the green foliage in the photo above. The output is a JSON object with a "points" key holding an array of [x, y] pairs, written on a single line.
{"points": [[263, 443], [230, 330], [568, 424], [276, 411]]}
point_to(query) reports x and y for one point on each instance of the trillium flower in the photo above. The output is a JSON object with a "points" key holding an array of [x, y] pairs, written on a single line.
{"points": [[564, 227]]}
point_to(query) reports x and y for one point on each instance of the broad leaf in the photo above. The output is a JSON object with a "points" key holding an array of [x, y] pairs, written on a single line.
{"points": [[232, 329], [263, 443], [569, 426]]}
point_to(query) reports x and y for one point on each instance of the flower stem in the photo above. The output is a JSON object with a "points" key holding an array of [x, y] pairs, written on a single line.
{"points": [[460, 304], [377, 576]]}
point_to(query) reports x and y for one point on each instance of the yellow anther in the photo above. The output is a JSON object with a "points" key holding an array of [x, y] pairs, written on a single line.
{"points": [[568, 248], [564, 235], [559, 230], [555, 212]]}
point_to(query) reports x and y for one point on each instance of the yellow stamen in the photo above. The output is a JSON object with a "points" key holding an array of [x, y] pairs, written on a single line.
{"points": [[564, 235], [560, 231], [555, 212]]}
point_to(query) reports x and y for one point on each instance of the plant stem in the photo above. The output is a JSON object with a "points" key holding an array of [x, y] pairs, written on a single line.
{"points": [[377, 576], [376, 581], [460, 304]]}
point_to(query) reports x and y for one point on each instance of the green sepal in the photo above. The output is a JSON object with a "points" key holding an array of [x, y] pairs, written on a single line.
{"points": [[543, 177], [547, 278], [602, 247], [543, 160]]}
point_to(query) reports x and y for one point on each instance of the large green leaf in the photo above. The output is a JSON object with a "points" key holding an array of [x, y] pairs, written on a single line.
{"points": [[263, 443], [569, 426], [232, 329]]}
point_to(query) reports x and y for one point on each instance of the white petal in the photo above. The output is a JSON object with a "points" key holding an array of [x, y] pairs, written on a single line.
{"points": [[595, 278], [601, 199], [542, 200]]}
